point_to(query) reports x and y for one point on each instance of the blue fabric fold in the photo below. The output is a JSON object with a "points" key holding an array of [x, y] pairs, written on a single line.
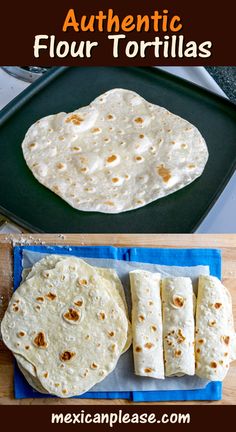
{"points": [[175, 257]]}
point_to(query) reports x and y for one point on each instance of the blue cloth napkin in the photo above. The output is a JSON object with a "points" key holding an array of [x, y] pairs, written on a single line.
{"points": [[175, 257]]}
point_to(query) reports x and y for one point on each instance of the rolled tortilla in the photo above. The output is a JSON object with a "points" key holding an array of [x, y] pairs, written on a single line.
{"points": [[147, 324], [178, 326], [215, 335]]}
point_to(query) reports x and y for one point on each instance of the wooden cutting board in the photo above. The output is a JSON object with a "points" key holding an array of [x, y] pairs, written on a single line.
{"points": [[227, 243]]}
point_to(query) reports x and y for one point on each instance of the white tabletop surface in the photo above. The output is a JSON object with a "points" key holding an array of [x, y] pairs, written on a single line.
{"points": [[222, 217]]}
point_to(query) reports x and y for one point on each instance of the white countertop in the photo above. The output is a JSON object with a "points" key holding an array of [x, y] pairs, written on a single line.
{"points": [[221, 218]]}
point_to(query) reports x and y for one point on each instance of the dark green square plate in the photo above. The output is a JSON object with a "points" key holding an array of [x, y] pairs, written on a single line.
{"points": [[35, 207]]}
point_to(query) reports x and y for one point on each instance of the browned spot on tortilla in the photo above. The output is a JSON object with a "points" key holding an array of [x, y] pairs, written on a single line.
{"points": [[32, 145], [109, 203], [225, 354], [27, 347], [94, 365], [76, 148], [15, 308], [212, 323], [112, 347], [95, 130], [138, 349], [111, 158], [201, 341], [115, 179], [83, 282], [66, 355], [72, 315], [139, 120], [111, 333], [217, 305], [149, 345], [110, 117], [21, 334], [141, 318], [190, 166], [84, 169], [213, 365], [221, 362], [178, 353], [60, 165], [101, 316], [198, 350], [164, 173], [181, 338], [153, 328], [225, 339], [50, 296], [184, 145], [150, 303], [64, 391], [78, 303], [138, 158], [41, 299], [40, 340], [178, 301], [148, 370], [75, 119], [45, 375], [141, 136]]}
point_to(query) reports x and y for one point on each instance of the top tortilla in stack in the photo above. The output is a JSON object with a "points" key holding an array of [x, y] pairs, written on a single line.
{"points": [[117, 154], [65, 323]]}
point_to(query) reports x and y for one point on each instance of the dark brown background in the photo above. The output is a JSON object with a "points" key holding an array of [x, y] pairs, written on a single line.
{"points": [[202, 20], [37, 418]]}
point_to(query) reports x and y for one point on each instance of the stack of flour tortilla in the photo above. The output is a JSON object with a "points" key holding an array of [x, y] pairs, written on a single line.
{"points": [[168, 339], [67, 325], [119, 153]]}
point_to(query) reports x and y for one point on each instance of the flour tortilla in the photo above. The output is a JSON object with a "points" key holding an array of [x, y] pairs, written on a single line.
{"points": [[47, 263], [70, 355], [119, 153], [114, 284], [178, 326], [215, 335], [147, 324], [29, 373]]}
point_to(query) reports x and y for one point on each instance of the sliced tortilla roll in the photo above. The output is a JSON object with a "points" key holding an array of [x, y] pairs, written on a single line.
{"points": [[178, 326], [147, 324], [215, 335]]}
